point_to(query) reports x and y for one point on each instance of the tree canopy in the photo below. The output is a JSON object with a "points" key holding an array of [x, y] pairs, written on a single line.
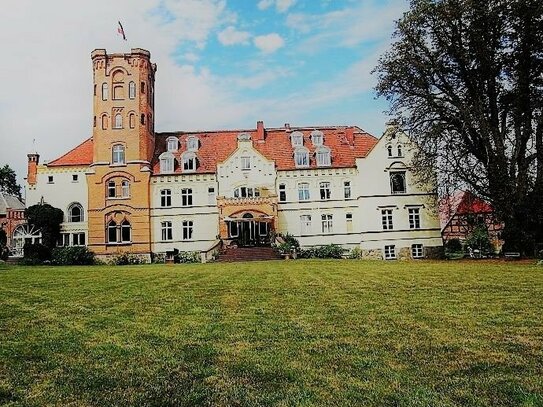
{"points": [[8, 182], [465, 79], [48, 219]]}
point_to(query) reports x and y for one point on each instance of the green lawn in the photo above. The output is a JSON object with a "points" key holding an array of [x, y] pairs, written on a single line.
{"points": [[286, 333]]}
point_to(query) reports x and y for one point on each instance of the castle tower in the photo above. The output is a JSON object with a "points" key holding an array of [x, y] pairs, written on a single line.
{"points": [[123, 147]]}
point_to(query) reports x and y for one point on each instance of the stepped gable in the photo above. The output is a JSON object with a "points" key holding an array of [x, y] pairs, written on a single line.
{"points": [[80, 155], [217, 146]]}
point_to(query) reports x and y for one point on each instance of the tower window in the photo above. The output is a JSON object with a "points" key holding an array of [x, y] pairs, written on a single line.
{"points": [[118, 92], [105, 91], [125, 189], [142, 118], [104, 122], [112, 232], [126, 231], [132, 120], [94, 89], [143, 87], [131, 90], [117, 154], [118, 121], [111, 189]]}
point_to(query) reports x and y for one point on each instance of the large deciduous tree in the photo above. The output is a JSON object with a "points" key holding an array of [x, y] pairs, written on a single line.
{"points": [[465, 77], [8, 182], [47, 219]]}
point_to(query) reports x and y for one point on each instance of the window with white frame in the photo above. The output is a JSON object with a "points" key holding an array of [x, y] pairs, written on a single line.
{"points": [[297, 139], [125, 189], [187, 229], [112, 232], [132, 120], [386, 219], [245, 163], [166, 230], [414, 218], [246, 192], [111, 189], [189, 162], [317, 137], [282, 193], [167, 163], [326, 220], [305, 224], [131, 90], [301, 157], [75, 213], [165, 198], [325, 190], [192, 143], [417, 251], [117, 154], [323, 156], [347, 189], [118, 121], [397, 182], [105, 91], [173, 144], [390, 252], [303, 191], [78, 239], [211, 198], [126, 231], [64, 239], [186, 197]]}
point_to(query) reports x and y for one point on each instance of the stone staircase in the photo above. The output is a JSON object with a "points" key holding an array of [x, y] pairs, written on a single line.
{"points": [[232, 254]]}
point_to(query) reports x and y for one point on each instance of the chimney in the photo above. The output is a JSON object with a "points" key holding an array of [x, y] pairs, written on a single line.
{"points": [[287, 127], [349, 135], [32, 171], [260, 130]]}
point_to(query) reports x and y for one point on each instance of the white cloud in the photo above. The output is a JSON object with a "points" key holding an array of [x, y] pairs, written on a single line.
{"points": [[264, 4], [231, 36], [280, 5], [269, 43]]}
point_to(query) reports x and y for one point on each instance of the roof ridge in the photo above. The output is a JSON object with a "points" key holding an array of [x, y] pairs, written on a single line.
{"points": [[68, 152]]}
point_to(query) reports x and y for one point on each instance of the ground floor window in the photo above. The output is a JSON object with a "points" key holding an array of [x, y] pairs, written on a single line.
{"points": [[78, 239], [326, 223], [119, 233], [417, 251], [305, 223], [187, 229], [167, 232], [390, 252]]}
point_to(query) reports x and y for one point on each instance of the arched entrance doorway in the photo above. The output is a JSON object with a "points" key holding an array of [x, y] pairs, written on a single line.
{"points": [[21, 235], [250, 230]]}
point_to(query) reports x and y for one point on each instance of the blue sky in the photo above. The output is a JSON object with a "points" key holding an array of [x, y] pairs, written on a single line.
{"points": [[222, 64]]}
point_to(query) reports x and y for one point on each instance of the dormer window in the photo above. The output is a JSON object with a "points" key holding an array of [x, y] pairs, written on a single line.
{"points": [[323, 156], [317, 137], [167, 161], [173, 144], [301, 157], [297, 139], [189, 162], [192, 144]]}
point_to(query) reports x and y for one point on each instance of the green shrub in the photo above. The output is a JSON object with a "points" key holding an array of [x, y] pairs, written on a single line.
{"points": [[355, 253], [479, 239], [187, 257], [329, 251], [453, 245], [36, 253], [72, 256], [125, 259]]}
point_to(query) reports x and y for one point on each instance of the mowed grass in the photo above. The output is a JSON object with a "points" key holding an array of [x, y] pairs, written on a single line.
{"points": [[285, 333]]}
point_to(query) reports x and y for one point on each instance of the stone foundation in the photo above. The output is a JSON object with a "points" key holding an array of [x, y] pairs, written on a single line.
{"points": [[372, 254]]}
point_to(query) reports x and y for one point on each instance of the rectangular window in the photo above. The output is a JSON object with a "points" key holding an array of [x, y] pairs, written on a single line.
{"points": [[211, 196], [75, 178], [347, 189], [186, 197], [262, 228], [165, 198], [417, 251], [111, 189], [305, 224], [390, 252], [187, 230], [325, 190], [349, 221], [64, 239], [282, 193], [303, 191], [233, 229], [166, 229], [386, 217], [326, 223], [50, 179], [78, 239], [414, 218], [245, 163]]}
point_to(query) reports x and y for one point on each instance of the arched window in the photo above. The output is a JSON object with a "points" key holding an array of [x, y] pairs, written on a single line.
{"points": [[397, 182], [111, 189], [400, 151], [132, 120], [142, 118], [301, 157], [167, 161], [126, 230], [118, 92], [143, 87], [323, 156], [112, 232], [75, 213], [192, 143], [105, 91], [389, 149], [189, 162], [131, 90], [173, 143], [104, 122], [317, 137], [297, 139], [117, 154], [118, 121], [125, 189]]}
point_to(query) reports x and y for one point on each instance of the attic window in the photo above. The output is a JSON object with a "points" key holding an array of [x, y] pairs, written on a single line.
{"points": [[323, 156], [192, 143], [173, 144], [301, 157], [189, 162], [317, 137], [166, 163], [297, 139]]}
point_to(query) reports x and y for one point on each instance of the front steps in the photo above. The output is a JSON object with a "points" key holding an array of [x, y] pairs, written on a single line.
{"points": [[233, 254]]}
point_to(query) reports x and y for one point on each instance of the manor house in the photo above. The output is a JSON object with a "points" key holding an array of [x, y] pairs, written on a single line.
{"points": [[130, 189]]}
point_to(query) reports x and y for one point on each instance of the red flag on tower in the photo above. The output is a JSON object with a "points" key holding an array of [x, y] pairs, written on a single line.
{"points": [[120, 30]]}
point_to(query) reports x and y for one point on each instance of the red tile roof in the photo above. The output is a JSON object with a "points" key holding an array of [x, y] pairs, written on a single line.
{"points": [[80, 155], [217, 146], [462, 203]]}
